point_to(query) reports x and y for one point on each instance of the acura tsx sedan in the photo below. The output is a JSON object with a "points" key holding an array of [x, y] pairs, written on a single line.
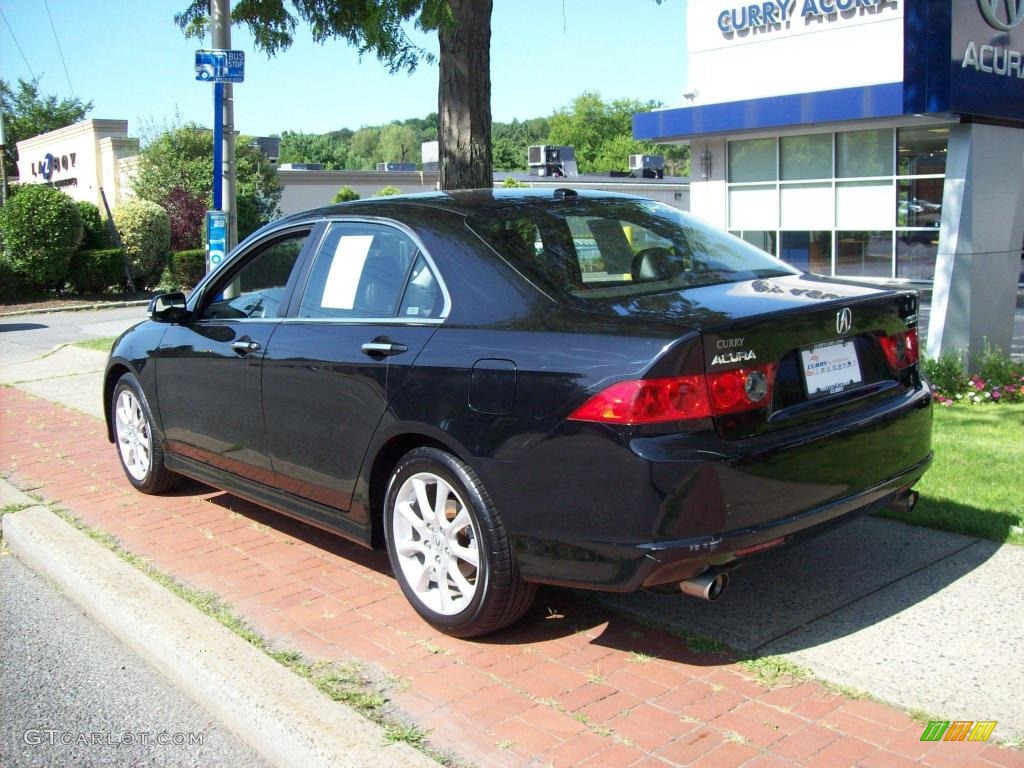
{"points": [[513, 388]]}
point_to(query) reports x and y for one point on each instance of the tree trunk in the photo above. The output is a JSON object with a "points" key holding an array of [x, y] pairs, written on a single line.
{"points": [[464, 97]]}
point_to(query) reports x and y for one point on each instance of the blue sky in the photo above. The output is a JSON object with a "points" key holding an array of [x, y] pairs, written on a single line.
{"points": [[133, 62]]}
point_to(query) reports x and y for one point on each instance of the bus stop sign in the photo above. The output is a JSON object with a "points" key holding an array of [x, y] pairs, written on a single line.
{"points": [[219, 66]]}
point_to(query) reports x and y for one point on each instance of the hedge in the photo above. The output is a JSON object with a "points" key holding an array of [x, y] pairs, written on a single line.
{"points": [[188, 267], [97, 269], [94, 228]]}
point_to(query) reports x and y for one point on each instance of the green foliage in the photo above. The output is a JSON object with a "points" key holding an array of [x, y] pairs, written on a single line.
{"points": [[41, 227], [96, 270], [27, 114], [188, 267], [511, 183], [387, 191], [510, 140], [398, 143], [182, 158], [94, 229], [315, 148], [345, 194], [602, 133], [366, 146], [145, 233], [946, 374]]}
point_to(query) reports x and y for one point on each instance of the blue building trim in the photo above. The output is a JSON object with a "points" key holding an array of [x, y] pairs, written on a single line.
{"points": [[872, 101]]}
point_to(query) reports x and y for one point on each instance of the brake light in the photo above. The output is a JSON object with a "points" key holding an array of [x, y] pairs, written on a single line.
{"points": [[900, 349], [648, 401], [652, 401]]}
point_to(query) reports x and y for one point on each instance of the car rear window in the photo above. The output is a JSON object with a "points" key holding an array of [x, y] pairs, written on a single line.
{"points": [[612, 248]]}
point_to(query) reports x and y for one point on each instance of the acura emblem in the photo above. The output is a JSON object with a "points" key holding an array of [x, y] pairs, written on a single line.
{"points": [[844, 321], [991, 10]]}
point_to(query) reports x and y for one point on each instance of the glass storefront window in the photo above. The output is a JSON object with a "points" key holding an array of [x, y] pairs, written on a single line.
{"points": [[915, 254], [759, 238], [921, 151], [754, 207], [864, 153], [919, 203], [809, 251], [752, 160], [864, 254], [806, 157]]}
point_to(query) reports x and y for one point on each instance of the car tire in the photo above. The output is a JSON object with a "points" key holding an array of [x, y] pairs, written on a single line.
{"points": [[457, 568], [140, 446]]}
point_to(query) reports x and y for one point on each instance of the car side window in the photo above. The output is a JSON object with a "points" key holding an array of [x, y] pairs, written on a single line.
{"points": [[363, 271], [257, 289]]}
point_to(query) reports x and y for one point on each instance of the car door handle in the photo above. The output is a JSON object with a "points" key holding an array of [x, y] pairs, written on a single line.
{"points": [[245, 346], [381, 348]]}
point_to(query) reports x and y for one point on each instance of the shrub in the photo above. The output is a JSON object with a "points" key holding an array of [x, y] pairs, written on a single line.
{"points": [[511, 183], [97, 270], [186, 213], [41, 228], [188, 267], [94, 229], [345, 194], [146, 235], [387, 191], [11, 285]]}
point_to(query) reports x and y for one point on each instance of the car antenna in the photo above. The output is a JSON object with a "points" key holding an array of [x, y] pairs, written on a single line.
{"points": [[563, 192]]}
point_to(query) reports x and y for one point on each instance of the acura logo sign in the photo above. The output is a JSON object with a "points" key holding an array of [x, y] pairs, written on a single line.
{"points": [[844, 321], [994, 12]]}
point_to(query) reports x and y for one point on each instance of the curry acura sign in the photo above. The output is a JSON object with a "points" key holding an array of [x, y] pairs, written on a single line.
{"points": [[773, 15], [987, 58]]}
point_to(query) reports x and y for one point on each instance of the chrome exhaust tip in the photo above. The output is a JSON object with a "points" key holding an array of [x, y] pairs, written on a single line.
{"points": [[707, 586], [904, 502]]}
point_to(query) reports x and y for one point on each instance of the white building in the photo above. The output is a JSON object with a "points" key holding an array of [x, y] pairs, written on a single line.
{"points": [[81, 160], [877, 139]]}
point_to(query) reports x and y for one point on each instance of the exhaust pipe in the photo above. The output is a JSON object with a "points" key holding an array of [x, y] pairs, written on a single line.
{"points": [[708, 586], [904, 502]]}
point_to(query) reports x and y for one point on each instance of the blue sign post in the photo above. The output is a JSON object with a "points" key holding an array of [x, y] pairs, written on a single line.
{"points": [[216, 238], [218, 67]]}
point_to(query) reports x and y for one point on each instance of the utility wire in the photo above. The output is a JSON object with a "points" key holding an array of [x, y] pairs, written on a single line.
{"points": [[15, 38], [61, 52]]}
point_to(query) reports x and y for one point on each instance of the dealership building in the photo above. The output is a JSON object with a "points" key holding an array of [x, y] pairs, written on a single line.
{"points": [[870, 139]]}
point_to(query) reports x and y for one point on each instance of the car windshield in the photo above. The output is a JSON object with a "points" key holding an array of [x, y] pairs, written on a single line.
{"points": [[612, 248]]}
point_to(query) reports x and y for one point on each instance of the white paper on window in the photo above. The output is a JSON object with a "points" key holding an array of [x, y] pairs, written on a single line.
{"points": [[346, 268]]}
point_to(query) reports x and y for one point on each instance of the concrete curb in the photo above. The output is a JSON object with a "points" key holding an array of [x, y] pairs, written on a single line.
{"points": [[77, 308], [280, 715]]}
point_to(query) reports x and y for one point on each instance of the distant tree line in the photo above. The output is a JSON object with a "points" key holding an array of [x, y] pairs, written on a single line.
{"points": [[601, 132]]}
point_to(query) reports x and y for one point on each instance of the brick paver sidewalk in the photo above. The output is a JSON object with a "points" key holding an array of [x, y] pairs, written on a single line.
{"points": [[572, 684]]}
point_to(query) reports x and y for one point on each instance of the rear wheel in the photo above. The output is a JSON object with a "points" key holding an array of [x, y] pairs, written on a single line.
{"points": [[448, 547], [140, 446]]}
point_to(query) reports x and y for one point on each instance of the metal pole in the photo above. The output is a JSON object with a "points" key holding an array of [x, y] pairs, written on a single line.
{"points": [[3, 161], [218, 147], [221, 28]]}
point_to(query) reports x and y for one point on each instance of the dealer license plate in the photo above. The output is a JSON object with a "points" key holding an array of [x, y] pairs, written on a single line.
{"points": [[830, 368]]}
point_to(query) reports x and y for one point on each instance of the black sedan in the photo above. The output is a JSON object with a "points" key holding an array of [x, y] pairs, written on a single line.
{"points": [[510, 388]]}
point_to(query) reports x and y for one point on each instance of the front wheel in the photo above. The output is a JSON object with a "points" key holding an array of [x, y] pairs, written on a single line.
{"points": [[139, 445], [448, 547]]}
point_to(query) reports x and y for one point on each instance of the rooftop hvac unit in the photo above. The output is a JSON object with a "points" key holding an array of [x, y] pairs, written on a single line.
{"points": [[647, 166], [396, 167], [550, 160], [301, 166]]}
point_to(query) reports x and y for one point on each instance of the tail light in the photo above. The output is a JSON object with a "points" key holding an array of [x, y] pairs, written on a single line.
{"points": [[900, 349], [652, 401]]}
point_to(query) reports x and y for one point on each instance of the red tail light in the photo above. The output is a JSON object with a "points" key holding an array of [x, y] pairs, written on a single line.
{"points": [[900, 349], [651, 401]]}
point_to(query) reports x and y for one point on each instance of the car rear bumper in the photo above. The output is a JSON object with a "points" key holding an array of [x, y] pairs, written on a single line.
{"points": [[677, 508]]}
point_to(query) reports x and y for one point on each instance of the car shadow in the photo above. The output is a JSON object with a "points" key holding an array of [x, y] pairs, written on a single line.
{"points": [[780, 601], [4, 327]]}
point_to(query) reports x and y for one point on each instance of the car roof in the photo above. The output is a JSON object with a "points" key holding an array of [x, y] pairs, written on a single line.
{"points": [[461, 202]]}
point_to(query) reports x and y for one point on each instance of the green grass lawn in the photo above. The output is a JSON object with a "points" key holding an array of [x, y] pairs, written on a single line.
{"points": [[102, 345], [976, 484]]}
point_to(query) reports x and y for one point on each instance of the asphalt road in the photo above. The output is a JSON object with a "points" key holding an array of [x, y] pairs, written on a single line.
{"points": [[29, 336], [70, 694]]}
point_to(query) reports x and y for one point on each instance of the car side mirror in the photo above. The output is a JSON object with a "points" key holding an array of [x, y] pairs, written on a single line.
{"points": [[168, 307]]}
